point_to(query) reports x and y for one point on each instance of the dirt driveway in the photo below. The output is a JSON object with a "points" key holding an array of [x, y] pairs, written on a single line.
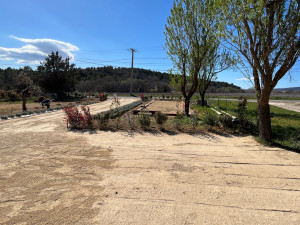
{"points": [[49, 175], [293, 105]]}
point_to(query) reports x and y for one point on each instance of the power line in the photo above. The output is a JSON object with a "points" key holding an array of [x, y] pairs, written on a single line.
{"points": [[153, 63], [116, 60], [100, 64], [97, 60], [157, 47], [154, 58], [101, 50]]}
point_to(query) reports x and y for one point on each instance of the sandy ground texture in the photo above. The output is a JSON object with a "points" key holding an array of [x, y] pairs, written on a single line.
{"points": [[14, 108], [49, 175], [167, 107]]}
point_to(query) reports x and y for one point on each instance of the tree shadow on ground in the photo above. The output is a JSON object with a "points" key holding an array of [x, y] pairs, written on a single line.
{"points": [[82, 131]]}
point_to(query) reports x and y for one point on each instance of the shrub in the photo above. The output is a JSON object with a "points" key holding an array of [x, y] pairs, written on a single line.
{"points": [[116, 110], [245, 125], [102, 96], [295, 138], [242, 110], [178, 120], [160, 118], [194, 121], [226, 121], [144, 120], [130, 120], [78, 120], [103, 120], [210, 119], [13, 96], [142, 96]]}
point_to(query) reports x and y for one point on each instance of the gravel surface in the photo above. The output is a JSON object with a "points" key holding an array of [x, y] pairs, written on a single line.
{"points": [[49, 175]]}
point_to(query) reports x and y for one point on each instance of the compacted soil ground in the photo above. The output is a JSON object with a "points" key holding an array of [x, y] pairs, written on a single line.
{"points": [[49, 175], [293, 105], [168, 107], [14, 108]]}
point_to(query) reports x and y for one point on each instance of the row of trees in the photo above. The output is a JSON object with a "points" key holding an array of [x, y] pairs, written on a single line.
{"points": [[118, 79], [54, 75], [259, 37], [57, 75]]}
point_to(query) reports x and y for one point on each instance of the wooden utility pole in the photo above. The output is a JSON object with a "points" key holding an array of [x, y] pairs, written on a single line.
{"points": [[131, 82]]}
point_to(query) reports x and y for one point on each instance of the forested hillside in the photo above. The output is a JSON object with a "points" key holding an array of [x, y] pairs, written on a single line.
{"points": [[108, 79], [111, 79]]}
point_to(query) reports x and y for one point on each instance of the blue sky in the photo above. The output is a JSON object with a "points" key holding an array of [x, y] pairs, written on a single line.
{"points": [[94, 33]]}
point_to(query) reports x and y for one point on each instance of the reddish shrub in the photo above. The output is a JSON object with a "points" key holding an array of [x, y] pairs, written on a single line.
{"points": [[142, 96], [102, 96], [78, 119]]}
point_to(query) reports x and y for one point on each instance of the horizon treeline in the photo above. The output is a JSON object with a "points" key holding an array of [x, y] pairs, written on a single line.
{"points": [[109, 79]]}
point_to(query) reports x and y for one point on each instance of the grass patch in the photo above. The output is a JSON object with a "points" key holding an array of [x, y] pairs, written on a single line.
{"points": [[16, 102], [285, 123]]}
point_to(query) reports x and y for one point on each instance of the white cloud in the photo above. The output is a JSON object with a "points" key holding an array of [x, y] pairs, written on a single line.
{"points": [[36, 50], [245, 79]]}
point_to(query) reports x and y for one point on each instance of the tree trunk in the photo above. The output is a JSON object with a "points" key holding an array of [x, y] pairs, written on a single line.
{"points": [[24, 96], [202, 99], [24, 103], [265, 131], [187, 106]]}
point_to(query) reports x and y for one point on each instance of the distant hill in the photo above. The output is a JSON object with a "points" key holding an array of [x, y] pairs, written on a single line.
{"points": [[223, 87], [117, 79], [287, 89], [113, 79]]}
